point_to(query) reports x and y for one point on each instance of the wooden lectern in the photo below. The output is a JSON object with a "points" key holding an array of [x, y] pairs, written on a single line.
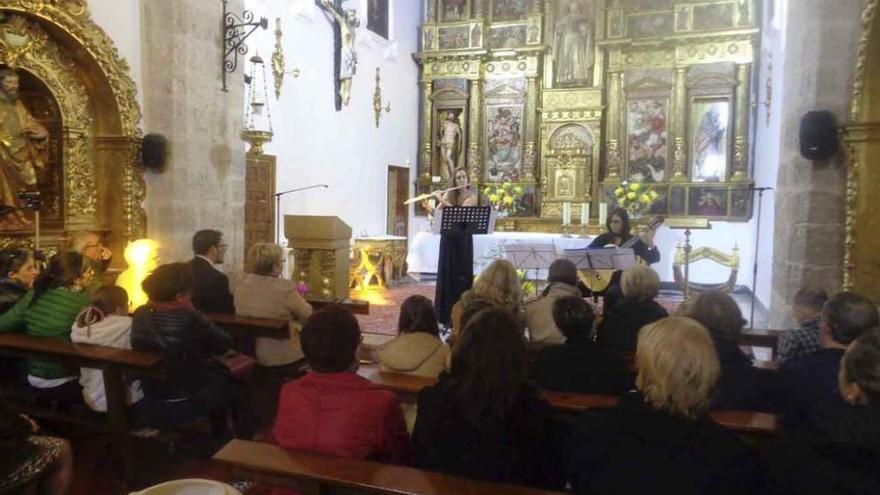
{"points": [[321, 246]]}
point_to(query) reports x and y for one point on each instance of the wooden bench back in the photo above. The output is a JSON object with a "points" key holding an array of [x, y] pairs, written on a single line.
{"points": [[80, 355], [314, 473]]}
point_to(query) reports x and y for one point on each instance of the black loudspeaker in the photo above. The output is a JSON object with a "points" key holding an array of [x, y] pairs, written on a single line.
{"points": [[154, 151], [818, 135]]}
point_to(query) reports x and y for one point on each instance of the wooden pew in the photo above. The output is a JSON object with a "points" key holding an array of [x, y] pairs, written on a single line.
{"points": [[244, 326], [357, 306], [743, 422], [314, 474], [757, 337]]}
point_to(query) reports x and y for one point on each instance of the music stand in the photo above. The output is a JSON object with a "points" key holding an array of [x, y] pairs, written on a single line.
{"points": [[601, 258], [468, 220], [700, 223], [530, 256]]}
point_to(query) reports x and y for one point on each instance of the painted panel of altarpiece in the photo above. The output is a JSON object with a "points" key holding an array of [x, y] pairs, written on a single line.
{"points": [[646, 139], [503, 142], [711, 139], [510, 10]]}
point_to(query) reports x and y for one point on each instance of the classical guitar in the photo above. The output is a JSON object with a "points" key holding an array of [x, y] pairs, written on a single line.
{"points": [[598, 280]]}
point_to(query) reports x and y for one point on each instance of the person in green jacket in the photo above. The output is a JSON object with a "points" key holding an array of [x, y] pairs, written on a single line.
{"points": [[49, 310]]}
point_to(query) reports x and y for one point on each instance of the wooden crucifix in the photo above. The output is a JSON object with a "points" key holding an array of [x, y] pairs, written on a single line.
{"points": [[345, 23]]}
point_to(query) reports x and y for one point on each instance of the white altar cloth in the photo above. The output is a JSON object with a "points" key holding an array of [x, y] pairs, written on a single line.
{"points": [[425, 248]]}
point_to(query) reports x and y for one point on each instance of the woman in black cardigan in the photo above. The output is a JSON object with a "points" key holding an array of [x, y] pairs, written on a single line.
{"points": [[620, 326]]}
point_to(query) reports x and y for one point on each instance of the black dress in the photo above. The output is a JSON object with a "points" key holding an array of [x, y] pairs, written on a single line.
{"points": [[612, 294], [455, 269]]}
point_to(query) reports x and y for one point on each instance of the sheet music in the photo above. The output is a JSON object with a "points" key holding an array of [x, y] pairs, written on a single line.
{"points": [[602, 258]]}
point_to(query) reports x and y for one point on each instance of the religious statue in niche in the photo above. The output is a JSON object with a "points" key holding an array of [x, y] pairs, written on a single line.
{"points": [[710, 139], [453, 10], [573, 51], [23, 146], [503, 142], [564, 185], [510, 10], [345, 23], [450, 143], [646, 134]]}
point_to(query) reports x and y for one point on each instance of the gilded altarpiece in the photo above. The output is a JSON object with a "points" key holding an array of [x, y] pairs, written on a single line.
{"points": [[568, 98], [75, 84]]}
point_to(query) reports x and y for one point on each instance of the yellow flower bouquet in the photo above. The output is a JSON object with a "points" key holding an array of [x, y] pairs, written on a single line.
{"points": [[635, 198], [504, 197]]}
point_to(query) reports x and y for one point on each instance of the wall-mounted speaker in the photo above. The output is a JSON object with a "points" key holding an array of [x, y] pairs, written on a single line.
{"points": [[154, 151], [818, 135]]}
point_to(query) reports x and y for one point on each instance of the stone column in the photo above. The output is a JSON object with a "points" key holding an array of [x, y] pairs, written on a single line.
{"points": [[613, 157], [678, 127], [474, 139], [531, 129], [202, 185], [740, 170], [425, 140]]}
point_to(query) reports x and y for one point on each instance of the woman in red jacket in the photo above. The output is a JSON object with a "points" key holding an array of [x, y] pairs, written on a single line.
{"points": [[332, 410]]}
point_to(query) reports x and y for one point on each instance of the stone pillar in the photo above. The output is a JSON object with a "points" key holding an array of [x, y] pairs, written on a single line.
{"points": [[531, 130], [613, 152], [475, 151], [425, 140], [741, 136], [678, 127], [202, 185]]}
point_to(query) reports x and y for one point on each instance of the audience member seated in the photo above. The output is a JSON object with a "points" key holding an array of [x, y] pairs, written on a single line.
{"points": [[620, 326], [105, 322], [210, 291], [194, 385], [808, 386], [804, 340], [49, 310], [659, 438], [417, 349], [839, 453], [562, 282], [262, 293], [579, 365], [482, 420], [497, 284], [32, 463], [333, 410], [741, 386], [18, 273]]}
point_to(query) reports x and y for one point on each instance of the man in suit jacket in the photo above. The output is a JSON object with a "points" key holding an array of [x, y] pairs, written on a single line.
{"points": [[210, 292]]}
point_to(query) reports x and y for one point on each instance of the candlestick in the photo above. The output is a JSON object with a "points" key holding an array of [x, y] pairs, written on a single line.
{"points": [[585, 213], [603, 212]]}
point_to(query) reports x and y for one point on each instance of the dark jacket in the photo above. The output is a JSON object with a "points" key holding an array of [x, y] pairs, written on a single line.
{"points": [[837, 451], [187, 341], [741, 386], [634, 449], [516, 451], [11, 291], [580, 365], [807, 386], [620, 326], [210, 292]]}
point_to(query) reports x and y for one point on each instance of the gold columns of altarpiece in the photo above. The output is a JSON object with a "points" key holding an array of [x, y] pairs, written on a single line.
{"points": [[678, 56], [76, 60]]}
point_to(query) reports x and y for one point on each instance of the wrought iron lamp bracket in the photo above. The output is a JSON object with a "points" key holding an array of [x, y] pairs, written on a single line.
{"points": [[236, 29]]}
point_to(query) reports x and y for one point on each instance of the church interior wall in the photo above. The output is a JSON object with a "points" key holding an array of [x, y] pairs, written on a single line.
{"points": [[316, 144], [121, 20]]}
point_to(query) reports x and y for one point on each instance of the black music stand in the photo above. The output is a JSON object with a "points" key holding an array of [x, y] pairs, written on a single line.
{"points": [[601, 258], [467, 220]]}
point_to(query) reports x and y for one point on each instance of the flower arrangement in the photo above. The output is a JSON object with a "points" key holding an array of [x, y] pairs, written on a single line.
{"points": [[302, 288], [504, 197], [635, 198]]}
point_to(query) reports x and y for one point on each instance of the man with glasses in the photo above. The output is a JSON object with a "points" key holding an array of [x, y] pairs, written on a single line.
{"points": [[210, 292], [88, 244]]}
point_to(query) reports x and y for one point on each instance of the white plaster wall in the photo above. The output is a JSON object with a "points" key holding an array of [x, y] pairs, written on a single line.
{"points": [[121, 20], [314, 143]]}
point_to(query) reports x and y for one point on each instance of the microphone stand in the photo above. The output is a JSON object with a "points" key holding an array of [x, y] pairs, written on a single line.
{"points": [[760, 191], [278, 206]]}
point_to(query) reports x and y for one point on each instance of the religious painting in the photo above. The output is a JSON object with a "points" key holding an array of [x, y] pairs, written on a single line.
{"points": [[477, 36], [659, 206], [507, 36], [503, 129], [649, 25], [677, 201], [646, 139], [428, 39], [453, 10], [707, 202], [563, 184], [453, 38], [573, 47], [615, 24], [650, 4], [510, 10], [740, 203], [710, 138], [681, 18], [377, 17], [716, 16], [525, 207]]}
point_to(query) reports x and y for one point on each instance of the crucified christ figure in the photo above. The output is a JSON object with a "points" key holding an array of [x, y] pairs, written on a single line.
{"points": [[345, 23]]}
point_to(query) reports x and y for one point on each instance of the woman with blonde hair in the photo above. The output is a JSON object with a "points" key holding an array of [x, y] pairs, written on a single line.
{"points": [[661, 430], [497, 285], [622, 322]]}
